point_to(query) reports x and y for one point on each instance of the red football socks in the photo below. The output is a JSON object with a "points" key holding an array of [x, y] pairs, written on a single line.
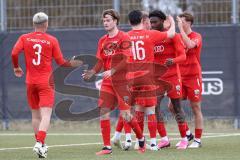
{"points": [[127, 128], [161, 129], [152, 125], [182, 129], [106, 130], [186, 124], [41, 135], [120, 124], [198, 133], [137, 130], [140, 119]]}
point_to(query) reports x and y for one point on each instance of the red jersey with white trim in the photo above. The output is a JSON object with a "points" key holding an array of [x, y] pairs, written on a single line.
{"points": [[39, 50], [170, 48], [192, 65]]}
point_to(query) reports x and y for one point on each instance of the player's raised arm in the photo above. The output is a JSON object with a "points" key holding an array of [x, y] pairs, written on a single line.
{"points": [[57, 54], [172, 30], [18, 47], [158, 36], [187, 19], [179, 49]]}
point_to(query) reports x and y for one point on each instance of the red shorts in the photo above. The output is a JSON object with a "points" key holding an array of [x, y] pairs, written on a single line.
{"points": [[40, 95], [143, 99], [114, 96], [192, 89], [146, 102], [176, 91]]}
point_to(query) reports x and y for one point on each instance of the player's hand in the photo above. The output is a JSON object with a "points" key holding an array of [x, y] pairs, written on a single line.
{"points": [[169, 62], [180, 23], [88, 74], [108, 73], [171, 20], [75, 63], [166, 24], [18, 72]]}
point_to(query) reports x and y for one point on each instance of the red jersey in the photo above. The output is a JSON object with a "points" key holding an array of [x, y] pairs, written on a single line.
{"points": [[170, 48], [111, 51], [192, 66], [109, 47], [39, 50], [143, 42]]}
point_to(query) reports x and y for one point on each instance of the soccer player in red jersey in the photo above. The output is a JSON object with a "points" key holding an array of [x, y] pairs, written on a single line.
{"points": [[143, 42], [109, 49], [39, 49], [191, 72], [120, 124], [170, 52]]}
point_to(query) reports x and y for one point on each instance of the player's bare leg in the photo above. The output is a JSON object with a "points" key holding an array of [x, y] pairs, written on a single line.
{"points": [[188, 132], [36, 119], [46, 113], [45, 116], [105, 130], [164, 142], [198, 117]]}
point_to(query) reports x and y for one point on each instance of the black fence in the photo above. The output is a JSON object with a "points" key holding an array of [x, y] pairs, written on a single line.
{"points": [[220, 60]]}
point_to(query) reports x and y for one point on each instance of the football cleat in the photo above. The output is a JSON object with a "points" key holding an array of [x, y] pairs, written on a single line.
{"points": [[142, 149], [163, 144], [152, 147], [183, 144], [189, 137], [105, 150], [195, 144]]}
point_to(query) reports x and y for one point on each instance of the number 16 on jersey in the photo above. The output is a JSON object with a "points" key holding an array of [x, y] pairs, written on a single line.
{"points": [[138, 50]]}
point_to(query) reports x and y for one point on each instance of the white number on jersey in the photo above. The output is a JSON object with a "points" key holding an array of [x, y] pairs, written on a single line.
{"points": [[38, 53], [138, 50]]}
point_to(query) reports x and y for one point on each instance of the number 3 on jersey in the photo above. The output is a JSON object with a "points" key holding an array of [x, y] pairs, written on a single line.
{"points": [[138, 50], [38, 47]]}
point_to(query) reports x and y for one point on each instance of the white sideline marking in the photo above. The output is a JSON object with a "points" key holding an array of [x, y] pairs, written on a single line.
{"points": [[83, 134], [86, 144]]}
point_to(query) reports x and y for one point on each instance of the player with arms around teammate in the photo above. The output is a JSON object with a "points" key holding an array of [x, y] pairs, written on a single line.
{"points": [[114, 86], [170, 52], [143, 42], [191, 72], [39, 49]]}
